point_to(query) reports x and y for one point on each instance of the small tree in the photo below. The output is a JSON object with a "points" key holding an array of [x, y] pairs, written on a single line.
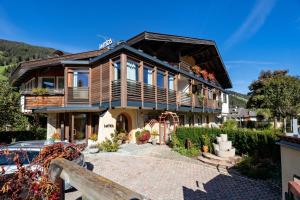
{"points": [[10, 113]]}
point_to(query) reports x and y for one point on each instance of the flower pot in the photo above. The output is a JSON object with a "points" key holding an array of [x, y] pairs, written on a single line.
{"points": [[91, 142], [154, 141], [205, 148], [93, 150]]}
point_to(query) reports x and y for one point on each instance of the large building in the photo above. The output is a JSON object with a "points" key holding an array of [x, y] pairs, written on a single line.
{"points": [[126, 86]]}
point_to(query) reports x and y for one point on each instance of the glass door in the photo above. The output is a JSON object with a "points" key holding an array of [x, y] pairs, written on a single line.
{"points": [[79, 128]]}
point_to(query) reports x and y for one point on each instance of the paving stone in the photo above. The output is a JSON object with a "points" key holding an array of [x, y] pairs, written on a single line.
{"points": [[159, 173]]}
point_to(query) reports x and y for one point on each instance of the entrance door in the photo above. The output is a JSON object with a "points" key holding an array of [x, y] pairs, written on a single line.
{"points": [[79, 128]]}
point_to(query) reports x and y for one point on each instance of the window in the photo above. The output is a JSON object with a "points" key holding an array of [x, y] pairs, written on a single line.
{"points": [[48, 82], [147, 72], [210, 94], [81, 79], [60, 84], [224, 98], [160, 79], [117, 70], [171, 82], [132, 70]]}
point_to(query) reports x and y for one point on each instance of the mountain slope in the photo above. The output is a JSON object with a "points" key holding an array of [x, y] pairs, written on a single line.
{"points": [[12, 52], [237, 99]]}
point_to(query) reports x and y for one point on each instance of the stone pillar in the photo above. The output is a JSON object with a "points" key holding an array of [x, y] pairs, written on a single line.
{"points": [[51, 124]]}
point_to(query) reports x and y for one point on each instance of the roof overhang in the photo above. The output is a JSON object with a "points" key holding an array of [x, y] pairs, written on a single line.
{"points": [[165, 43], [69, 108]]}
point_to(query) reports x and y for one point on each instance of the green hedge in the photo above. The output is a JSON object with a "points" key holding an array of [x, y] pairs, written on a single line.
{"points": [[245, 141], [7, 137]]}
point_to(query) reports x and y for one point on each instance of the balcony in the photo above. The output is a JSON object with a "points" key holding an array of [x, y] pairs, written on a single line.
{"points": [[185, 99], [78, 95]]}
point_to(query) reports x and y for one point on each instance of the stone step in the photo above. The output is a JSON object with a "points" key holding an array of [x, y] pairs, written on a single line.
{"points": [[217, 163], [213, 157]]}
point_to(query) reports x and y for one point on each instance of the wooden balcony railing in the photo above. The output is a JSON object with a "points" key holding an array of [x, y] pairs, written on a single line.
{"points": [[134, 90], [161, 95], [172, 95], [116, 89], [184, 66], [185, 99], [89, 184], [149, 93], [214, 104], [78, 95]]}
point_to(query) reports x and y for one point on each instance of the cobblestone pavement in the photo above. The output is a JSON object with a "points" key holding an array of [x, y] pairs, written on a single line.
{"points": [[159, 173]]}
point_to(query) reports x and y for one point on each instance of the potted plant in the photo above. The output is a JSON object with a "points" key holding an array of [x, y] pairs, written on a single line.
{"points": [[92, 139], [205, 142], [94, 148], [56, 137], [143, 136], [200, 98], [40, 91], [154, 135]]}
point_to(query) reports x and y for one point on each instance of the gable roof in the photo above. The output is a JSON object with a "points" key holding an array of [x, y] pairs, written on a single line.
{"points": [[160, 40]]}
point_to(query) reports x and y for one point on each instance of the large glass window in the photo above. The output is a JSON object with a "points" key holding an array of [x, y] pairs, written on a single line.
{"points": [[171, 82], [160, 79], [147, 75], [60, 83], [48, 82], [81, 79], [132, 70], [117, 70]]}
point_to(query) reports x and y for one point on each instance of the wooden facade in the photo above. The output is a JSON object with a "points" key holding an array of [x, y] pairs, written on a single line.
{"points": [[136, 75]]}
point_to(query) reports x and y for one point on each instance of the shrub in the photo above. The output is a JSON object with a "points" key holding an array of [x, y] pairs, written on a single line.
{"points": [[109, 146], [245, 141], [8, 136], [259, 168], [55, 136], [93, 137], [230, 124], [144, 136], [39, 91]]}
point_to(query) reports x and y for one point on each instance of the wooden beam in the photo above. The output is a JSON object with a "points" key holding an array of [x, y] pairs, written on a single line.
{"points": [[89, 184], [141, 80], [123, 80]]}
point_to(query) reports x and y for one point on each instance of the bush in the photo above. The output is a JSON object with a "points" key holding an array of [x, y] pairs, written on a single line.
{"points": [[109, 146], [230, 124], [261, 143], [259, 168], [37, 134]]}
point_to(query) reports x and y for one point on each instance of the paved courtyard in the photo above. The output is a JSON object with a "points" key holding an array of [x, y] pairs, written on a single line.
{"points": [[159, 173]]}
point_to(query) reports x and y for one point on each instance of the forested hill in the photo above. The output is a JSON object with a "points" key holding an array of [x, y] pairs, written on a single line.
{"points": [[237, 99], [12, 52]]}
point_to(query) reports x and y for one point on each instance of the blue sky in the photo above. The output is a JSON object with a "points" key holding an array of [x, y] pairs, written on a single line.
{"points": [[251, 35]]}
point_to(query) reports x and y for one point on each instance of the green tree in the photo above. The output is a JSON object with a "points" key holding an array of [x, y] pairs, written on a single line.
{"points": [[10, 113], [277, 91]]}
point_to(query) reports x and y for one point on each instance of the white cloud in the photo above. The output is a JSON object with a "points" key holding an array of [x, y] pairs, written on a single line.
{"points": [[254, 21]]}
